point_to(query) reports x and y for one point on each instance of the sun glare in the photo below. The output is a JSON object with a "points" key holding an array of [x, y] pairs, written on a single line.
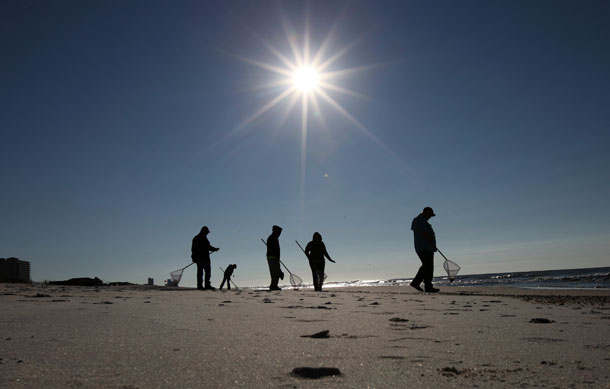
{"points": [[310, 78], [305, 79]]}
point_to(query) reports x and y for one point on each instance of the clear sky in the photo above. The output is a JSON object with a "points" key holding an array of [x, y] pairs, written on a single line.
{"points": [[127, 126]]}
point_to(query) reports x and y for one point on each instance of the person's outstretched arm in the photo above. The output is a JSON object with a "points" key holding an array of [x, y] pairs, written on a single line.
{"points": [[328, 256]]}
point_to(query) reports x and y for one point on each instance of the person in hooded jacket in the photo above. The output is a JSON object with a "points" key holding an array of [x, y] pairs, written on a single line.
{"points": [[316, 251], [273, 257], [200, 254]]}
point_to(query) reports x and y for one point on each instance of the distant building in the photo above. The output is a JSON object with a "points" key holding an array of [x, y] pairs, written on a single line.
{"points": [[14, 270]]}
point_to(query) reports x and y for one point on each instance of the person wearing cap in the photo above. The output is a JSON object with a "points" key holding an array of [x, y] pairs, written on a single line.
{"points": [[200, 254], [273, 257], [425, 246]]}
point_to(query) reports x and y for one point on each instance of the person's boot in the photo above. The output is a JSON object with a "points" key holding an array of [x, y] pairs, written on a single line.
{"points": [[416, 286], [209, 287], [431, 289]]}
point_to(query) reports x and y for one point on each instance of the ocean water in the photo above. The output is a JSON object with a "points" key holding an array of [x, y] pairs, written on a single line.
{"points": [[590, 278]]}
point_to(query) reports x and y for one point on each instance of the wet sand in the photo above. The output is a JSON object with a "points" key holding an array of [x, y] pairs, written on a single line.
{"points": [[136, 337]]}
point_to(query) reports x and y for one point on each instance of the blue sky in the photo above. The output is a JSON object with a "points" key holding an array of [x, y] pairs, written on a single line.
{"points": [[119, 133]]}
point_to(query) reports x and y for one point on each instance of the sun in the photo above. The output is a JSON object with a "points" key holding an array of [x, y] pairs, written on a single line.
{"points": [[305, 78], [313, 78]]}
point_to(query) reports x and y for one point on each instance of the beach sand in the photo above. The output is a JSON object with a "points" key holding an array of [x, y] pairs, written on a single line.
{"points": [[378, 337]]}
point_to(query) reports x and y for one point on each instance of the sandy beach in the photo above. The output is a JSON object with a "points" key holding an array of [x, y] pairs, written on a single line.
{"points": [[378, 337]]}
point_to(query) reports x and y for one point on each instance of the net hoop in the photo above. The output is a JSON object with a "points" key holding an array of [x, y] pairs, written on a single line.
{"points": [[451, 268]]}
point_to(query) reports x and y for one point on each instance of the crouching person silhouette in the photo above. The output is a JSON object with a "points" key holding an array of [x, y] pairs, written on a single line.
{"points": [[227, 276]]}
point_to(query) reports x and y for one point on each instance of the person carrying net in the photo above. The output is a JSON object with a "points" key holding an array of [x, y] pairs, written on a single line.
{"points": [[200, 254], [424, 240], [227, 276], [273, 257]]}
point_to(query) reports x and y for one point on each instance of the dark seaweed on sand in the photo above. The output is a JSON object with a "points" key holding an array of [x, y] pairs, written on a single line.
{"points": [[315, 372]]}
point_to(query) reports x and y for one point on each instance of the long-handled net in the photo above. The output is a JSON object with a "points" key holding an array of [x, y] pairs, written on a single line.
{"points": [[176, 276], [295, 280], [230, 280], [450, 267], [301, 247]]}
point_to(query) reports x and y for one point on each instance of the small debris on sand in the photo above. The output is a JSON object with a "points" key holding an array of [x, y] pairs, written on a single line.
{"points": [[541, 320], [315, 372], [449, 371], [318, 335]]}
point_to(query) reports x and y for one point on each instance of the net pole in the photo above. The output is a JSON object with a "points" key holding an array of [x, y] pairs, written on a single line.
{"points": [[288, 270], [298, 244], [265, 243], [231, 281], [441, 253], [188, 265]]}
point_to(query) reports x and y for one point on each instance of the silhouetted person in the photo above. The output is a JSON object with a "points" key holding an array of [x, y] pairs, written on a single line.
{"points": [[273, 257], [316, 251], [227, 276], [200, 253], [425, 246]]}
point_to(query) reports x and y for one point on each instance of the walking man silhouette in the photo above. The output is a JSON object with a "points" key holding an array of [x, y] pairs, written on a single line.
{"points": [[425, 246]]}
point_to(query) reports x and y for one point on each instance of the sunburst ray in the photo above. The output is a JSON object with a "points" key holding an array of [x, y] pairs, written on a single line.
{"points": [[339, 54], [345, 91], [261, 111], [318, 110], [356, 69], [360, 126]]}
